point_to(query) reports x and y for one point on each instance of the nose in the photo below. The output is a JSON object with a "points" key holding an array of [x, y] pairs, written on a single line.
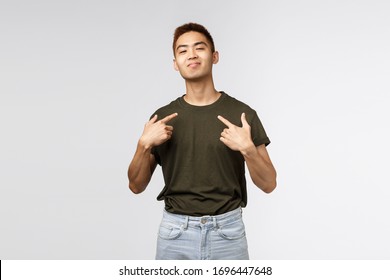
{"points": [[192, 54]]}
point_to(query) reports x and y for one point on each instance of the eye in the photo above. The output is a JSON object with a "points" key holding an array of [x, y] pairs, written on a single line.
{"points": [[182, 51], [200, 48]]}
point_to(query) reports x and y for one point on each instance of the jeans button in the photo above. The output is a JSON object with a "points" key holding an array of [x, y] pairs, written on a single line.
{"points": [[203, 220]]}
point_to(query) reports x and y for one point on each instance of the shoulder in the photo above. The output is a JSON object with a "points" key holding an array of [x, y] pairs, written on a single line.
{"points": [[236, 102], [167, 109], [238, 106]]}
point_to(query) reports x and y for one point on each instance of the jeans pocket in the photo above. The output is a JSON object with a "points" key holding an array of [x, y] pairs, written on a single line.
{"points": [[235, 230], [169, 230]]}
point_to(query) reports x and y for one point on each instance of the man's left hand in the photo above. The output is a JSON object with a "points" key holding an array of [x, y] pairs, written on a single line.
{"points": [[236, 138]]}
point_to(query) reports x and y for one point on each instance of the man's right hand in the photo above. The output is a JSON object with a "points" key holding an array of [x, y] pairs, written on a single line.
{"points": [[156, 132]]}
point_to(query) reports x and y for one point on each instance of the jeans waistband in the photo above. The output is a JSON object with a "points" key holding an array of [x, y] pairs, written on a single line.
{"points": [[216, 220]]}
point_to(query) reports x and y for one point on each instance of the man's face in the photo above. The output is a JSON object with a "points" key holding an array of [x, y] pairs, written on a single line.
{"points": [[193, 56]]}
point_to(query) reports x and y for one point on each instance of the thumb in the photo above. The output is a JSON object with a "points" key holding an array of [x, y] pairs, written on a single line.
{"points": [[243, 120], [153, 120]]}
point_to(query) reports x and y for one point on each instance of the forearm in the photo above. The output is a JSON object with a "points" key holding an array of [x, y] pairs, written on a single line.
{"points": [[143, 164], [261, 169], [140, 169]]}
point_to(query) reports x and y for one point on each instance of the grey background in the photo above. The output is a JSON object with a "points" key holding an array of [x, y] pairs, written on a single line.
{"points": [[79, 79]]}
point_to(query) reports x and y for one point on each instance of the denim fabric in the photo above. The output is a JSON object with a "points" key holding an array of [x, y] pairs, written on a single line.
{"points": [[220, 237]]}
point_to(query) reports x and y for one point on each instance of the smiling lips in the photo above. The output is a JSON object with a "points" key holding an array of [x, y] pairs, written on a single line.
{"points": [[193, 64]]}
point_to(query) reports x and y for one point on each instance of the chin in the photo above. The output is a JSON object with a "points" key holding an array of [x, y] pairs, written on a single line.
{"points": [[194, 78]]}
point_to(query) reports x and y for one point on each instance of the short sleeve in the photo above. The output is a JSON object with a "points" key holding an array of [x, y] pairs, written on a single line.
{"points": [[259, 136]]}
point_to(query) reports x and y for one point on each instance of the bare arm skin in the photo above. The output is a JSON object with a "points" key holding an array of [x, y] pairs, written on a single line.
{"points": [[143, 163], [259, 164]]}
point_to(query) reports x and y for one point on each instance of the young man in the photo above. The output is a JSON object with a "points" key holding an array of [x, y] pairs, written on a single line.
{"points": [[202, 141]]}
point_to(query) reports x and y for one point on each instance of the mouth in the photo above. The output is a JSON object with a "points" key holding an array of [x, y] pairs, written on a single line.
{"points": [[193, 64]]}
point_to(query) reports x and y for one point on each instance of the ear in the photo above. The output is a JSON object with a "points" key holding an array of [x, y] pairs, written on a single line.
{"points": [[215, 57], [175, 65]]}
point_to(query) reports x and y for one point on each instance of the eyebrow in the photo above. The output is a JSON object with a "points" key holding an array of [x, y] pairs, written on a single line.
{"points": [[195, 44]]}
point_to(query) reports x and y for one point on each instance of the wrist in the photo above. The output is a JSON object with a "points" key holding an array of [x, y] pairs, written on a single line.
{"points": [[248, 150], [144, 146]]}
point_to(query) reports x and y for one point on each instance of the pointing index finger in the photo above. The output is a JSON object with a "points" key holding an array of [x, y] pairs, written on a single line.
{"points": [[225, 121], [169, 117]]}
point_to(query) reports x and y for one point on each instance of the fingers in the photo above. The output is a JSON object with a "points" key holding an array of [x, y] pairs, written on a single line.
{"points": [[223, 140], [164, 120], [229, 124], [168, 118], [225, 121]]}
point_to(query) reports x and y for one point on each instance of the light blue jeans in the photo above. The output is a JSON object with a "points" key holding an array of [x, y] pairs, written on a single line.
{"points": [[220, 237]]}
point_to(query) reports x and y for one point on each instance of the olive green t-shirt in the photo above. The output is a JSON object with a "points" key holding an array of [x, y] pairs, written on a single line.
{"points": [[202, 175]]}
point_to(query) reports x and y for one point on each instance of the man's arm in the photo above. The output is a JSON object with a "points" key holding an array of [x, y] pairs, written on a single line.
{"points": [[260, 167], [259, 164], [143, 163], [141, 169]]}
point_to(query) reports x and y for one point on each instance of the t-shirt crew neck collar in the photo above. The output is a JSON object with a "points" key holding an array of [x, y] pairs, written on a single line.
{"points": [[185, 104]]}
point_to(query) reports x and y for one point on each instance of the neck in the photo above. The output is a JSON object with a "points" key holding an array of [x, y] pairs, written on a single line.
{"points": [[201, 93]]}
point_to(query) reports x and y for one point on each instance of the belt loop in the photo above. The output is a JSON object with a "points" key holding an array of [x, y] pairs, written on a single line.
{"points": [[186, 222], [215, 223]]}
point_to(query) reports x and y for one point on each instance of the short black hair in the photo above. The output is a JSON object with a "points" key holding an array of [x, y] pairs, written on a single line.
{"points": [[191, 26]]}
